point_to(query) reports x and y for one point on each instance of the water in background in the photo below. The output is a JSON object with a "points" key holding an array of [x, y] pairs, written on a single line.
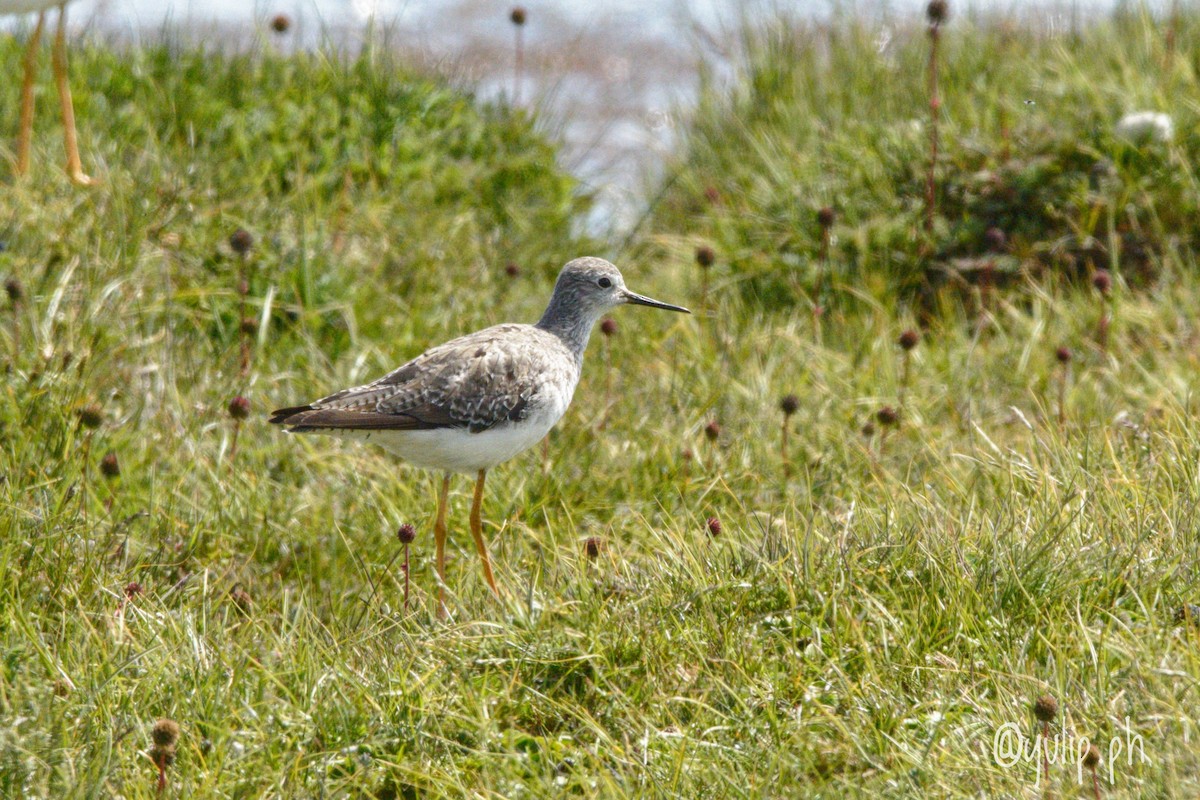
{"points": [[612, 79]]}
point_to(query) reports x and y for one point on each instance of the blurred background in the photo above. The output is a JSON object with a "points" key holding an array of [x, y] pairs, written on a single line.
{"points": [[611, 82]]}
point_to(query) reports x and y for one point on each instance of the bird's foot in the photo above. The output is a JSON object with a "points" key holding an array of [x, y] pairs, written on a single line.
{"points": [[80, 178]]}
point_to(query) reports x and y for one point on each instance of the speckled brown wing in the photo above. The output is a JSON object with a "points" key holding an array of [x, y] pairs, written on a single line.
{"points": [[474, 382]]}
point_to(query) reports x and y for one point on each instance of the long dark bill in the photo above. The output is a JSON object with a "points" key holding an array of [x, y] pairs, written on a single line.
{"points": [[642, 300]]}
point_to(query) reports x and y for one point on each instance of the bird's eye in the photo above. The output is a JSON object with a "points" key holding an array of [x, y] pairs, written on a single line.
{"points": [[604, 283]]}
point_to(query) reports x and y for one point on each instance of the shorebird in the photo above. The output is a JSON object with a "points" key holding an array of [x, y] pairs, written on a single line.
{"points": [[59, 61], [476, 401]]}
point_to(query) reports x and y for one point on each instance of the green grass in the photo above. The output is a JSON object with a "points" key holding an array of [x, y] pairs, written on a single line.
{"points": [[840, 118], [863, 623]]}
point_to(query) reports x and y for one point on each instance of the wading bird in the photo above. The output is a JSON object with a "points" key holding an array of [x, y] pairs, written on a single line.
{"points": [[477, 401]]}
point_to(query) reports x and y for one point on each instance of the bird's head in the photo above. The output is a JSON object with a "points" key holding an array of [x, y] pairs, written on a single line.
{"points": [[593, 286]]}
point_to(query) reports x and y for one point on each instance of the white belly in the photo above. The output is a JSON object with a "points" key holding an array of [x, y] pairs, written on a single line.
{"points": [[459, 450]]}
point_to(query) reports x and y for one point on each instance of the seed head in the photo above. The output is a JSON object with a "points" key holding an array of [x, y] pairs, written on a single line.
{"points": [[1091, 758], [1063, 354], [909, 339], [887, 416], [1102, 280], [687, 454], [714, 527], [16, 292], [937, 12], [406, 534], [712, 195], [995, 239], [517, 15], [712, 430], [825, 217], [240, 241], [705, 256], [868, 429], [249, 325], [280, 23], [109, 466], [132, 590], [165, 732], [239, 407], [789, 405], [593, 546], [91, 416], [1045, 708], [608, 326]]}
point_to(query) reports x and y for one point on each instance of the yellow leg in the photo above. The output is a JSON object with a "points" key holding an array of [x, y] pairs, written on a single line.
{"points": [[25, 131], [477, 532], [439, 536], [74, 166]]}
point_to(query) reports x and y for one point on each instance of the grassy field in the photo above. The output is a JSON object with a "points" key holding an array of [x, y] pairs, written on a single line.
{"points": [[691, 611]]}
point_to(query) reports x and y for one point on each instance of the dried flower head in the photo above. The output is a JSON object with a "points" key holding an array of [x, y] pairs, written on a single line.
{"points": [[1045, 708], [165, 732], [712, 195], [712, 430], [518, 15], [132, 590], [937, 12], [705, 256], [109, 466], [91, 416], [407, 534], [14, 289], [281, 23], [240, 241], [714, 526], [1063, 354], [593, 546], [825, 217], [789, 405], [239, 407], [608, 326], [687, 454], [887, 416], [1102, 280], [1091, 757], [511, 269], [995, 239], [868, 429], [909, 339]]}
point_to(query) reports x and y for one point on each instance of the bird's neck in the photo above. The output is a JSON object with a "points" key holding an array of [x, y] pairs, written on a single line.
{"points": [[572, 328]]}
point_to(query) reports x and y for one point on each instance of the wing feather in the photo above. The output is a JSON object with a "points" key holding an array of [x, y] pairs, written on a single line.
{"points": [[474, 382]]}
